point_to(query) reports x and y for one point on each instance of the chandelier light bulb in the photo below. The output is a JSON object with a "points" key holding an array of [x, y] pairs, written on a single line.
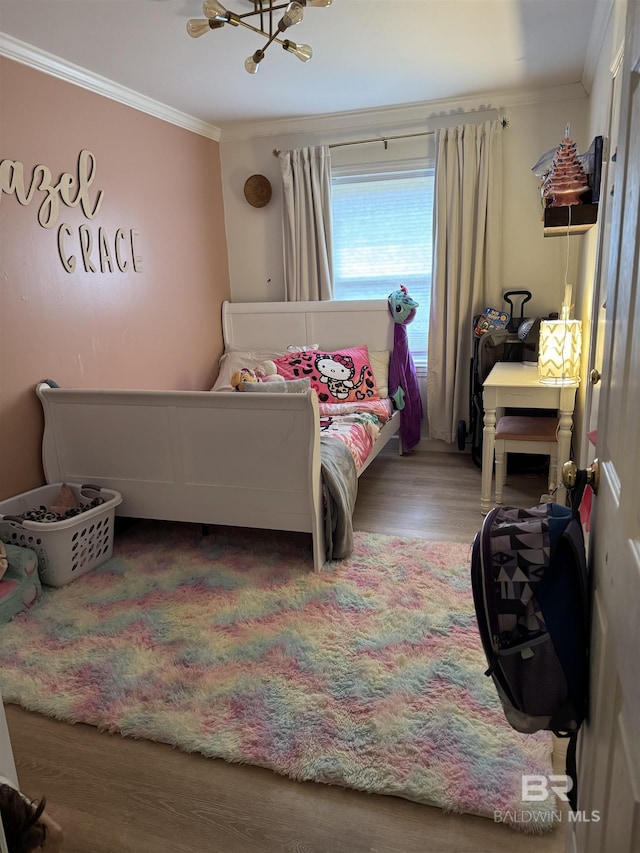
{"points": [[252, 63], [302, 51], [322, 3], [215, 11], [294, 13], [197, 27]]}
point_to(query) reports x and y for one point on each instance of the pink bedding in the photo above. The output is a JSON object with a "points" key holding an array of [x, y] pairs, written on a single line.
{"points": [[358, 431], [382, 408]]}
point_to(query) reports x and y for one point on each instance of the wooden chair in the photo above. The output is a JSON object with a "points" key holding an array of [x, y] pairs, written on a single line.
{"points": [[525, 434]]}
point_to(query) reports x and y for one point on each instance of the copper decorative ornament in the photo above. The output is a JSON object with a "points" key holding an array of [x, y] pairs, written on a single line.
{"points": [[257, 190]]}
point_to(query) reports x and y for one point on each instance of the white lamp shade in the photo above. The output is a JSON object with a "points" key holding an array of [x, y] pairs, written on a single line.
{"points": [[559, 352]]}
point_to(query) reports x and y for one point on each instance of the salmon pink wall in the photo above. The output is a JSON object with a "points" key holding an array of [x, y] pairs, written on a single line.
{"points": [[157, 328]]}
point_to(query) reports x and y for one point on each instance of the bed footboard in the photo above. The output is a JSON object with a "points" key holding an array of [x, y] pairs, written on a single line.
{"points": [[248, 460]]}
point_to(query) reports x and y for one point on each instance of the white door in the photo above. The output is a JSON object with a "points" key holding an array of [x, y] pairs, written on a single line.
{"points": [[609, 750], [7, 765], [598, 307]]}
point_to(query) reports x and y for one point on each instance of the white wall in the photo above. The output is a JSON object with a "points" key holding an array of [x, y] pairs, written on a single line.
{"points": [[532, 261], [536, 124]]}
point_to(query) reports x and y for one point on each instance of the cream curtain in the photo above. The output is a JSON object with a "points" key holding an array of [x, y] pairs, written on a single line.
{"points": [[308, 262], [467, 263]]}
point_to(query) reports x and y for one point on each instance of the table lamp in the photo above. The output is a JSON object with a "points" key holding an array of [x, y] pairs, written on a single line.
{"points": [[560, 347]]}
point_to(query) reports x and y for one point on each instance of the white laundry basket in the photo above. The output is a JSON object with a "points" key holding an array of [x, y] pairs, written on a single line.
{"points": [[69, 548]]}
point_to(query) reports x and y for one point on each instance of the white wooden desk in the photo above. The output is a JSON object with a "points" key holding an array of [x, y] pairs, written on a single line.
{"points": [[515, 385]]}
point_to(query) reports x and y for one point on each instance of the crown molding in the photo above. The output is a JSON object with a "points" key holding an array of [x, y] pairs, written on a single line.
{"points": [[401, 116], [26, 54]]}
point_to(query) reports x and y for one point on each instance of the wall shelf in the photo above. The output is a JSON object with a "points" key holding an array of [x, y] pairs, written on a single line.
{"points": [[556, 219], [582, 216]]}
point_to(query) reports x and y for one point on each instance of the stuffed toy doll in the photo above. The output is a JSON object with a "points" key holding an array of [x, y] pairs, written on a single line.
{"points": [[243, 377], [403, 382]]}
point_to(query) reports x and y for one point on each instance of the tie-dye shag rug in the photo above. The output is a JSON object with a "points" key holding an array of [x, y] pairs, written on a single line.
{"points": [[369, 675]]}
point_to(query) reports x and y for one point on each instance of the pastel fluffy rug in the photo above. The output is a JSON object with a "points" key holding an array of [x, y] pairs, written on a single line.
{"points": [[370, 675]]}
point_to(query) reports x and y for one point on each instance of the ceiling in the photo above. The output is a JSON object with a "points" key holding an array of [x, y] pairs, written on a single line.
{"points": [[367, 53]]}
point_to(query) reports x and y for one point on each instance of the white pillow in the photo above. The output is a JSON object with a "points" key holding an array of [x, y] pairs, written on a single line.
{"points": [[379, 362], [234, 360]]}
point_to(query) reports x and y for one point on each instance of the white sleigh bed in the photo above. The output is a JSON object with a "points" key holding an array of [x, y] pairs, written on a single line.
{"points": [[224, 458]]}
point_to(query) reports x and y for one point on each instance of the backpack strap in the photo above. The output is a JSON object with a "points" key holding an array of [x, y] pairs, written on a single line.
{"points": [[577, 491]]}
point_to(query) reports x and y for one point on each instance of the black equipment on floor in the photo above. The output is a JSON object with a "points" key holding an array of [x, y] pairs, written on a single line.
{"points": [[517, 342]]}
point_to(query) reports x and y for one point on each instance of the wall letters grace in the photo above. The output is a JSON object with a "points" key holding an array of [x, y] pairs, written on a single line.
{"points": [[113, 253]]}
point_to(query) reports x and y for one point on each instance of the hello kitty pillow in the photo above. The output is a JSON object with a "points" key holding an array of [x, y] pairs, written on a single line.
{"points": [[344, 376]]}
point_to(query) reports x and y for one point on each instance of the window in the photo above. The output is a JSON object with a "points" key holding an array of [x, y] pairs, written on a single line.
{"points": [[382, 238]]}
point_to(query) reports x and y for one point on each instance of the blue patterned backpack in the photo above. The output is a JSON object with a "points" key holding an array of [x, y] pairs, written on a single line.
{"points": [[530, 590]]}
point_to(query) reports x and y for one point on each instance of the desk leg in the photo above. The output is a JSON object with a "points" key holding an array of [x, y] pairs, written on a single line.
{"points": [[565, 425], [488, 444]]}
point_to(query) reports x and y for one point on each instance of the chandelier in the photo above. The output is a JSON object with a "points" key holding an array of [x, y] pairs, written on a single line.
{"points": [[217, 16]]}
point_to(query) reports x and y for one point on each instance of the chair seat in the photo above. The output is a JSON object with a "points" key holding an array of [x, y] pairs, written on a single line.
{"points": [[525, 434], [523, 428]]}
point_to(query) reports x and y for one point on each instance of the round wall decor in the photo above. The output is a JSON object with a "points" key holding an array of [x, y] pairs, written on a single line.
{"points": [[257, 190]]}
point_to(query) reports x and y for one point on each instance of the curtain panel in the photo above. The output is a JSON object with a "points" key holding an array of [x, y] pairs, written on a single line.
{"points": [[467, 274], [307, 232]]}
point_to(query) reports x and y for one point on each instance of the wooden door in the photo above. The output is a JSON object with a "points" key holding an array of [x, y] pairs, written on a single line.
{"points": [[609, 750]]}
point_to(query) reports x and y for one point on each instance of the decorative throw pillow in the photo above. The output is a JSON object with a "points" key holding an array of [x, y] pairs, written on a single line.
{"points": [[337, 377]]}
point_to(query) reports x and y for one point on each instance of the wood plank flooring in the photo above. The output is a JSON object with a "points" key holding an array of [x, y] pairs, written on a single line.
{"points": [[114, 795]]}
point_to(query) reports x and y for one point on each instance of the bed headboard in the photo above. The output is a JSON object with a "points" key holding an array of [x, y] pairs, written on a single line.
{"points": [[333, 324]]}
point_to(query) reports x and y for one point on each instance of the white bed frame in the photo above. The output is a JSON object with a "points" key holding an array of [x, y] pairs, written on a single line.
{"points": [[248, 460]]}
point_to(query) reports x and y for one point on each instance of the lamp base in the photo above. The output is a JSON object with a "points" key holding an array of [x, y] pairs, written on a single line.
{"points": [[560, 381]]}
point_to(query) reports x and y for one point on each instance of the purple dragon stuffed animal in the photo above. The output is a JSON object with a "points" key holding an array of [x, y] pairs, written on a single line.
{"points": [[403, 382]]}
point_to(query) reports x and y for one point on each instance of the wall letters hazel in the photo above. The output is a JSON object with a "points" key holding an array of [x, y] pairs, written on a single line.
{"points": [[111, 253]]}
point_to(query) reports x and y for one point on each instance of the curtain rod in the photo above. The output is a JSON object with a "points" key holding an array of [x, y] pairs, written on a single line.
{"points": [[385, 139]]}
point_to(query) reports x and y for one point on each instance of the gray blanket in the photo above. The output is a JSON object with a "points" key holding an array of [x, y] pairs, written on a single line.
{"points": [[339, 491]]}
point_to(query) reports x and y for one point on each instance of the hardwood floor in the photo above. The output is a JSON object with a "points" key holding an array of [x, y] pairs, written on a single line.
{"points": [[432, 495], [114, 795]]}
